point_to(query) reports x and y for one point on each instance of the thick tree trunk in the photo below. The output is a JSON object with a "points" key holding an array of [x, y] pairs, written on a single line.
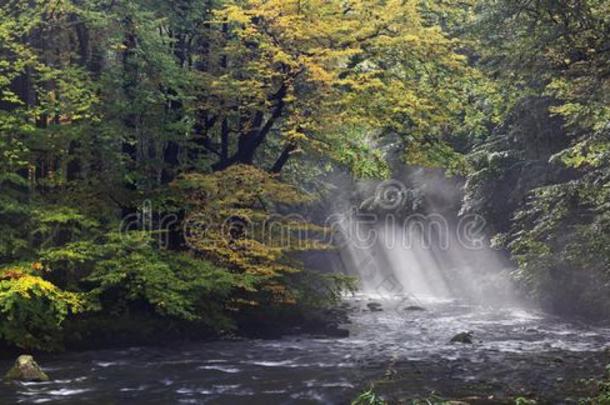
{"points": [[249, 142]]}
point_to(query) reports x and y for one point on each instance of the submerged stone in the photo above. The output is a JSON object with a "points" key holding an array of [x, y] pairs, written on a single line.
{"points": [[464, 337], [414, 308], [26, 369], [374, 306]]}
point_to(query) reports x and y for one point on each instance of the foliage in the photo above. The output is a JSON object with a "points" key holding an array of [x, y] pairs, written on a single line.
{"points": [[124, 273], [33, 309], [560, 240], [330, 70], [233, 218], [554, 219], [524, 401], [14, 214], [557, 46], [601, 390], [368, 398]]}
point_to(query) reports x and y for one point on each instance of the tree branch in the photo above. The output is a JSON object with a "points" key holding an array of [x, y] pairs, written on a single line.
{"points": [[283, 158]]}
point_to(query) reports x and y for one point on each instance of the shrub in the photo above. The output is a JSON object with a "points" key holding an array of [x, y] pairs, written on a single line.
{"points": [[33, 310]]}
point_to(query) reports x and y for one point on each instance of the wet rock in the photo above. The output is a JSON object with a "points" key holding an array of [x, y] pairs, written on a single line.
{"points": [[374, 307], [464, 337], [26, 369], [414, 308]]}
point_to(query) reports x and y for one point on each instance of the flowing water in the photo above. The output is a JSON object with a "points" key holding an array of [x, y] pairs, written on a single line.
{"points": [[515, 352]]}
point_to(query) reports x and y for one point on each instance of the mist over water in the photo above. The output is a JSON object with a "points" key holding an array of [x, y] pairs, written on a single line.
{"points": [[407, 239]]}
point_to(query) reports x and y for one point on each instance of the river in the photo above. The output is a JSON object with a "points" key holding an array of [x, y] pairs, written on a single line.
{"points": [[515, 352]]}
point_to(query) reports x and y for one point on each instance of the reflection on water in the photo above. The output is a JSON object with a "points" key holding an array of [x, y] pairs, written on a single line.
{"points": [[309, 369]]}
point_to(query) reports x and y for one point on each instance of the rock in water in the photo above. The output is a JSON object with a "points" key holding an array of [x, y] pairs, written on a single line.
{"points": [[464, 337], [374, 307], [26, 369], [414, 308]]}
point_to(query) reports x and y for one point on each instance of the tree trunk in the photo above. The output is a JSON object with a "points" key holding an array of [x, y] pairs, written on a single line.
{"points": [[283, 159]]}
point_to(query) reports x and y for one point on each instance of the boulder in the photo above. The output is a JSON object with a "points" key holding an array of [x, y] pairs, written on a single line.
{"points": [[414, 308], [374, 306], [464, 337], [26, 369]]}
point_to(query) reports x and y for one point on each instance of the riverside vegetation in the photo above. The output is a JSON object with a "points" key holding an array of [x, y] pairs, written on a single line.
{"points": [[231, 112]]}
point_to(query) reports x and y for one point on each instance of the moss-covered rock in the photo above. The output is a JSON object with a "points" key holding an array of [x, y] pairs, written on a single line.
{"points": [[26, 369]]}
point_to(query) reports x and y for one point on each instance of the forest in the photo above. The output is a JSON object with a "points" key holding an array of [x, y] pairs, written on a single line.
{"points": [[169, 171]]}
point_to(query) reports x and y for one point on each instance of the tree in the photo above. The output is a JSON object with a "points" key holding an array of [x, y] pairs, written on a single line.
{"points": [[324, 77], [557, 49]]}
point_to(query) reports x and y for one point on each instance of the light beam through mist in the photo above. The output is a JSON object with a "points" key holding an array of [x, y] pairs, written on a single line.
{"points": [[431, 256]]}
